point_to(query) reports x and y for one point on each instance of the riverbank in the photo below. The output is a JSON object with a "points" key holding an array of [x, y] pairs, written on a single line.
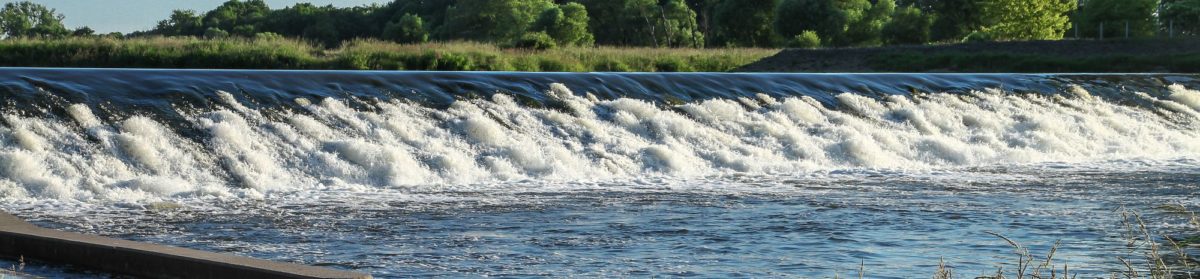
{"points": [[1075, 56], [280, 53]]}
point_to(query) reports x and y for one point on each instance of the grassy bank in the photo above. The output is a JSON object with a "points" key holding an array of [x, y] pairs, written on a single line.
{"points": [[999, 62], [1178, 55], [188, 52]]}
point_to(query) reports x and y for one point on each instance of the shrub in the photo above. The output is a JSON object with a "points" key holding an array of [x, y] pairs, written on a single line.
{"points": [[535, 41], [672, 64], [215, 33], [979, 36], [806, 39]]}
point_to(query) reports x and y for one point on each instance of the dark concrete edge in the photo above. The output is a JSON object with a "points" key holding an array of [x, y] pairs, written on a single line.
{"points": [[22, 239]]}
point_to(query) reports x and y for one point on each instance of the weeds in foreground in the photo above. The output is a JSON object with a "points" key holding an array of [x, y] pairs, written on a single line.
{"points": [[1154, 264]]}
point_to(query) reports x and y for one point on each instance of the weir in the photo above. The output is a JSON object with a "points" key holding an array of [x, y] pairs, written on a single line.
{"points": [[137, 135], [134, 138]]}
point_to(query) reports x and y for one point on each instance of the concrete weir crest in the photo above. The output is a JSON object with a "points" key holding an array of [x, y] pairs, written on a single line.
{"points": [[22, 239]]}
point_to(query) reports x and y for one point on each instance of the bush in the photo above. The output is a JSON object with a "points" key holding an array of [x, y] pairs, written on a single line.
{"points": [[215, 33], [268, 36], [806, 39], [535, 41], [672, 64], [978, 37]]}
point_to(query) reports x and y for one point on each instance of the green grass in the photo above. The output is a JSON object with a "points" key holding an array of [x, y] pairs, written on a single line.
{"points": [[235, 53], [989, 62]]}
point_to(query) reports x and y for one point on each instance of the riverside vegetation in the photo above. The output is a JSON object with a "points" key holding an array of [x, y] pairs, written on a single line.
{"points": [[1152, 255], [282, 53]]}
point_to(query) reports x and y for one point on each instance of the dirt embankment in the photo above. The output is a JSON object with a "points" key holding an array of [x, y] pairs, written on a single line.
{"points": [[1031, 56]]}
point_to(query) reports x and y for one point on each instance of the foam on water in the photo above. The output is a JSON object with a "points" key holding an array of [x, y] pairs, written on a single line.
{"points": [[329, 144]]}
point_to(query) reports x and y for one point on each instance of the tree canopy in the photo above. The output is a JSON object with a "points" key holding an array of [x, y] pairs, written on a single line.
{"points": [[28, 19], [1026, 19], [654, 23], [1115, 14]]}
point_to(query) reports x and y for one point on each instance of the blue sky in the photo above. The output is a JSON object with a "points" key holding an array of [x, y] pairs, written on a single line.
{"points": [[132, 15]]}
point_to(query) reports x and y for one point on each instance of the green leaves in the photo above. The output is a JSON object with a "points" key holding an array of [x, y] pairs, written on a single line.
{"points": [[567, 24], [1139, 14], [1026, 19], [409, 29], [909, 26], [27, 19]]}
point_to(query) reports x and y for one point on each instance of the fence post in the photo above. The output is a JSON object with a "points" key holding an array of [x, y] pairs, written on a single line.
{"points": [[1101, 30], [1127, 29], [1171, 31]]}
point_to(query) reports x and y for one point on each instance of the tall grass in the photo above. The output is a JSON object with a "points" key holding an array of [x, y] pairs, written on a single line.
{"points": [[240, 53], [1161, 256]]}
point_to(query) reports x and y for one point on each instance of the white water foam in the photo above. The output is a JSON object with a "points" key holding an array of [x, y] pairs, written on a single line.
{"points": [[400, 145]]}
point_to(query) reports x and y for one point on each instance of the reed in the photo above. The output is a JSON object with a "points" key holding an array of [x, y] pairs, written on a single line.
{"points": [[1154, 264]]}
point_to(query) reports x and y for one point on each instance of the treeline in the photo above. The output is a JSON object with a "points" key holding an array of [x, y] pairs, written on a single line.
{"points": [[545, 24]]}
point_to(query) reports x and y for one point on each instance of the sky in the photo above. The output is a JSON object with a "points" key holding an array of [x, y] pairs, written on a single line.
{"points": [[126, 16]]}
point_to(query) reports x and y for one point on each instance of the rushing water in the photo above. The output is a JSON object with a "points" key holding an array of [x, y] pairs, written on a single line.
{"points": [[537, 174]]}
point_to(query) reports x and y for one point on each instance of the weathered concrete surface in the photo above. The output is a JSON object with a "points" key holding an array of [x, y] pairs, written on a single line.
{"points": [[19, 238]]}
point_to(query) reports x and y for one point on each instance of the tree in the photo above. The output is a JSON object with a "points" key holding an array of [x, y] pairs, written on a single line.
{"points": [[743, 23], [181, 23], [829, 18], [1026, 19], [83, 32], [492, 20], [1114, 14], [27, 19], [909, 26], [1183, 16], [567, 24], [868, 30], [954, 18], [678, 21], [409, 29], [234, 13], [644, 22]]}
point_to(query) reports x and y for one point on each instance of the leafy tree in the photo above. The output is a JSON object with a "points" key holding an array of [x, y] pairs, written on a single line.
{"points": [[1026, 19], [1114, 14], [954, 18], [567, 24], [234, 13], [28, 19], [868, 30], [1183, 14], [909, 26], [492, 20], [679, 23], [181, 23], [431, 12], [745, 23], [644, 22], [323, 31], [410, 29], [83, 32], [831, 19]]}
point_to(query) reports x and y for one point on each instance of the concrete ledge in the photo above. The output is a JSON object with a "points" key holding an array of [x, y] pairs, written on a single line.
{"points": [[19, 238]]}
